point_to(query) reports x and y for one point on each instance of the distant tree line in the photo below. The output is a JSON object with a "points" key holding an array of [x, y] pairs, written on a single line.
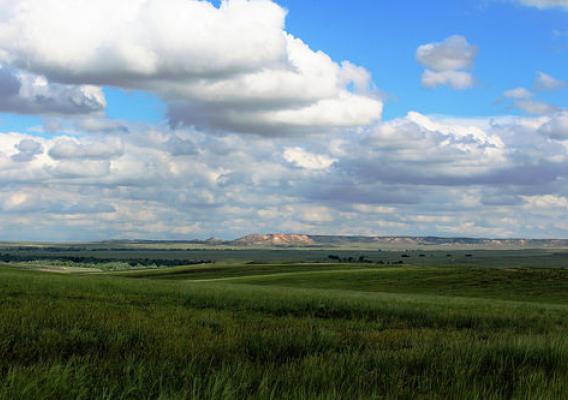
{"points": [[58, 249], [360, 259], [95, 260]]}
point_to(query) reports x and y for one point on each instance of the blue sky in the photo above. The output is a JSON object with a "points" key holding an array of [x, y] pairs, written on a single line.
{"points": [[185, 118], [514, 42]]}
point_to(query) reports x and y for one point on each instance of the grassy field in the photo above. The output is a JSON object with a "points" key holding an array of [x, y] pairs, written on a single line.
{"points": [[480, 327]]}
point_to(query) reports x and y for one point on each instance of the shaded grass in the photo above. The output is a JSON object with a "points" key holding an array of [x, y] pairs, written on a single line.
{"points": [[519, 284], [225, 271]]}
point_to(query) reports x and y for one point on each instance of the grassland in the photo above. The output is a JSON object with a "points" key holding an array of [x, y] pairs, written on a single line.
{"points": [[487, 326]]}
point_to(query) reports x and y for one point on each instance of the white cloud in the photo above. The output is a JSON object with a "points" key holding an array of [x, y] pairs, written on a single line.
{"points": [[545, 3], [310, 96], [141, 39], [518, 93], [64, 149], [236, 69], [556, 127], [99, 124], [421, 149], [15, 200], [25, 93], [455, 79], [27, 150], [523, 99], [447, 62], [454, 53], [71, 169], [307, 160], [316, 214], [414, 175], [546, 202], [535, 107], [185, 51], [181, 147], [373, 209], [546, 82], [42, 200]]}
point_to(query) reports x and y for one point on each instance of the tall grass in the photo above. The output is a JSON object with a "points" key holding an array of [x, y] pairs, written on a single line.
{"points": [[72, 337]]}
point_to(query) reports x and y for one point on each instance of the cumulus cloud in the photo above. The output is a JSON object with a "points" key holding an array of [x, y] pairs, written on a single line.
{"points": [[181, 147], [454, 53], [417, 174], [417, 149], [87, 168], [49, 202], [234, 69], [141, 39], [307, 160], [27, 150], [184, 50], [69, 149], [455, 79], [556, 127], [447, 62], [311, 96], [25, 93], [99, 124], [546, 202]]}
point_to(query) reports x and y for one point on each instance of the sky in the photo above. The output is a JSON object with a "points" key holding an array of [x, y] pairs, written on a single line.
{"points": [[180, 119]]}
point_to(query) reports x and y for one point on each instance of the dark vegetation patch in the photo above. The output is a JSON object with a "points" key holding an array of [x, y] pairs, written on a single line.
{"points": [[94, 260]]}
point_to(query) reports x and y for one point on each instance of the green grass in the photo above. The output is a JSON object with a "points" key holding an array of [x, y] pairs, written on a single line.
{"points": [[230, 271], [520, 284], [286, 331]]}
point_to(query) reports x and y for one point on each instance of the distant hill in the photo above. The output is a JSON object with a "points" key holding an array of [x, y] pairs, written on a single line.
{"points": [[285, 240], [304, 240]]}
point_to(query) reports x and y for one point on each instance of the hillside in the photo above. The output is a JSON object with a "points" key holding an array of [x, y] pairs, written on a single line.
{"points": [[285, 240], [297, 240]]}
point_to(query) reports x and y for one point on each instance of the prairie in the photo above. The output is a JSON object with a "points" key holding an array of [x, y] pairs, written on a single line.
{"points": [[489, 327]]}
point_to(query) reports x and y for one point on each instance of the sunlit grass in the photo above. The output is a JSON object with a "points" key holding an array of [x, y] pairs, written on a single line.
{"points": [[69, 337]]}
